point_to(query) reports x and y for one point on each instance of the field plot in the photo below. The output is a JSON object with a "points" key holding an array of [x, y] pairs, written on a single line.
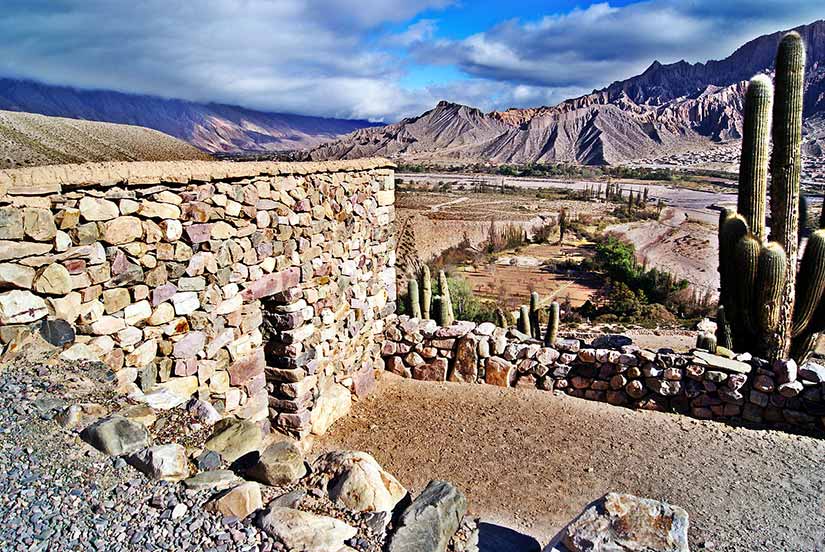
{"points": [[511, 278]]}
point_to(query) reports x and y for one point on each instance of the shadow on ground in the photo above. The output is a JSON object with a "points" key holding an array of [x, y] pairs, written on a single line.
{"points": [[495, 538]]}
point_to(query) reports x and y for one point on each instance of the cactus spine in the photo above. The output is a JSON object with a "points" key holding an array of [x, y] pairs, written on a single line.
{"points": [[534, 315], [772, 309], [413, 303], [786, 164], [552, 325], [446, 305], [524, 320], [426, 292], [753, 168], [811, 283]]}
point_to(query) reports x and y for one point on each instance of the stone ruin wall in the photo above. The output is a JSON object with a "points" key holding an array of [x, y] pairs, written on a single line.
{"points": [[260, 287], [611, 369]]}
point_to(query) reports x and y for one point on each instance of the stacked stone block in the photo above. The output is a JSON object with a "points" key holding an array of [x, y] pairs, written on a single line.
{"points": [[260, 287], [610, 369]]}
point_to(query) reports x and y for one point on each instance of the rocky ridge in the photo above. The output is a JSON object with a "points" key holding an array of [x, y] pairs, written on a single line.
{"points": [[665, 110]]}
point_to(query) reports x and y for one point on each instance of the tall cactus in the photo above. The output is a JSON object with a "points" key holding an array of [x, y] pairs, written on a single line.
{"points": [[426, 292], [552, 325], [535, 300], [773, 310], [413, 303], [446, 306]]}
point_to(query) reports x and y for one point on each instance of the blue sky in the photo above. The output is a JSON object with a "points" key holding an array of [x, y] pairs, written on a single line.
{"points": [[375, 59]]}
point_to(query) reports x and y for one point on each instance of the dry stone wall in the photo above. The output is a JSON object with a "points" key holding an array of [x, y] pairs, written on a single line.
{"points": [[610, 369], [259, 287]]}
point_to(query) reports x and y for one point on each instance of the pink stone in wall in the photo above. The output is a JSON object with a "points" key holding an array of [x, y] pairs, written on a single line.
{"points": [[198, 233], [272, 284], [432, 371], [191, 344], [163, 293], [187, 367], [246, 368]]}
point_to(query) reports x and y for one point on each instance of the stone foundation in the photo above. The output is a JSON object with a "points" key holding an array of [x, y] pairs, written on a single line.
{"points": [[260, 287], [610, 369]]}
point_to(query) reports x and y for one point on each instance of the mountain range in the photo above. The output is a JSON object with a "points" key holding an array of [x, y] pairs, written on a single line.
{"points": [[211, 127], [667, 109]]}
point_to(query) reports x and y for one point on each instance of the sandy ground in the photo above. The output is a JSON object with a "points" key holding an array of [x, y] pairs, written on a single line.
{"points": [[531, 461], [682, 243]]}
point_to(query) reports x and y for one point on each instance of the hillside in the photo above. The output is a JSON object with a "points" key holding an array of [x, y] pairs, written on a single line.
{"points": [[665, 110], [214, 128], [28, 139]]}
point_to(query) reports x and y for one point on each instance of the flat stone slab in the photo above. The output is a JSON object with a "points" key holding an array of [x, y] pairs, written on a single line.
{"points": [[720, 363]]}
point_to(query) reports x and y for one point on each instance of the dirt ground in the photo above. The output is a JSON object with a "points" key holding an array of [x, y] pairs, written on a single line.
{"points": [[531, 461]]}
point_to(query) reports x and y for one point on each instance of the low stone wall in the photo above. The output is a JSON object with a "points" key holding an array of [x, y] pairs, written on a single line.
{"points": [[610, 369], [260, 287]]}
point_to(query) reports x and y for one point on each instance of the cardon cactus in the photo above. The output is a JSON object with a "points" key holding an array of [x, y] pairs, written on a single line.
{"points": [[524, 320], [446, 305], [552, 325], [534, 315], [413, 303], [426, 292], [773, 310]]}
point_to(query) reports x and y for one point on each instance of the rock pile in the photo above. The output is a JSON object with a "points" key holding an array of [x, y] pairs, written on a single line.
{"points": [[610, 369], [260, 288]]}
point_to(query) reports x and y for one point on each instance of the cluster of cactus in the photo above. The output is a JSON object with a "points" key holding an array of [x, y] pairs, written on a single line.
{"points": [[529, 322], [770, 309], [421, 305]]}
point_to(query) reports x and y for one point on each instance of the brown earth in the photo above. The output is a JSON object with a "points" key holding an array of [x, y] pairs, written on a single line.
{"points": [[28, 139], [530, 460]]}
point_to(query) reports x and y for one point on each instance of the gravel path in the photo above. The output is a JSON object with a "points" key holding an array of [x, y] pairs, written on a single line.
{"points": [[532, 460]]}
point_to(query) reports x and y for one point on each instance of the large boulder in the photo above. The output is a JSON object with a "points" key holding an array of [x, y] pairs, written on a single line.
{"points": [[307, 532], [280, 464], [116, 436], [428, 524], [626, 523], [356, 481], [166, 462], [235, 438]]}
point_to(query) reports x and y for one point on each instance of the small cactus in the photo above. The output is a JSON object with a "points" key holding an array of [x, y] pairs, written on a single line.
{"points": [[524, 320], [723, 336], [446, 304], [501, 318], [413, 304], [552, 325], [534, 315], [426, 292]]}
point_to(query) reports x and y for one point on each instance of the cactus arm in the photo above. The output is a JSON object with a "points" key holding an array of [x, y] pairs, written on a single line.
{"points": [[746, 259], [785, 167], [770, 283], [732, 228], [811, 282], [753, 168]]}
